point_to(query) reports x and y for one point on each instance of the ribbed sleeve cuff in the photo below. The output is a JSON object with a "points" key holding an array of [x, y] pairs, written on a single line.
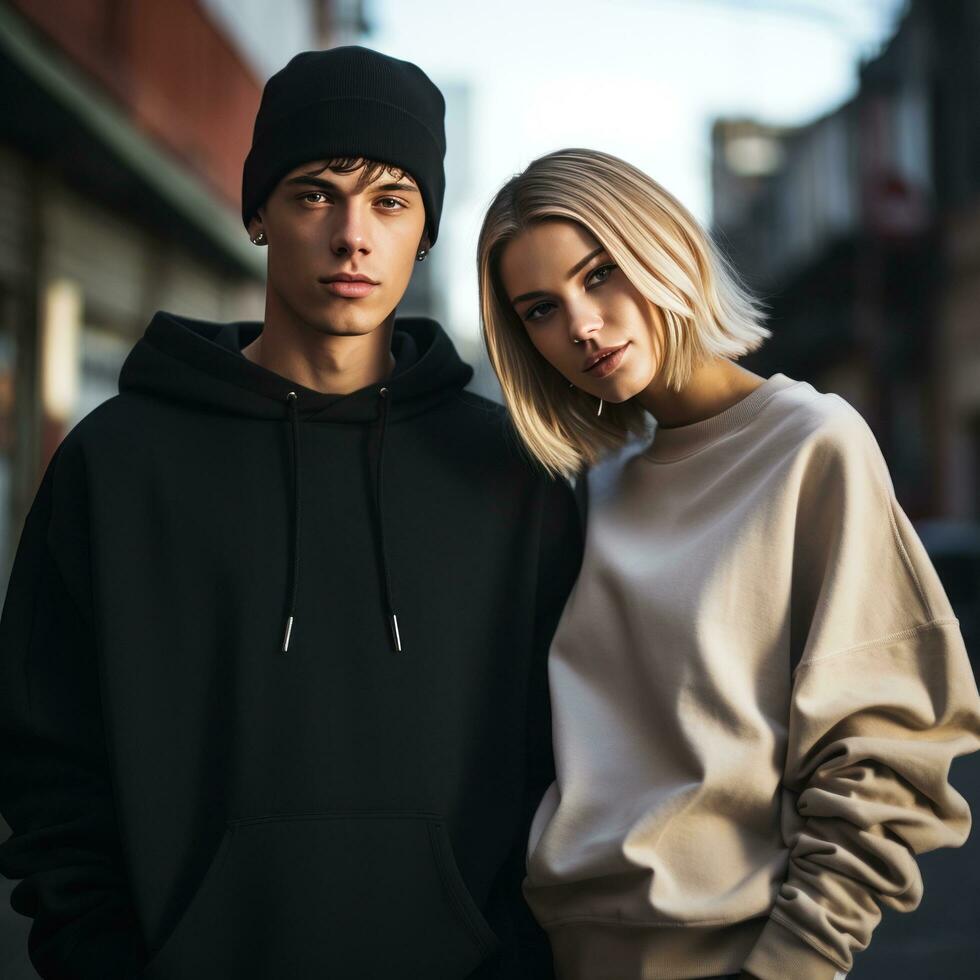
{"points": [[779, 953]]}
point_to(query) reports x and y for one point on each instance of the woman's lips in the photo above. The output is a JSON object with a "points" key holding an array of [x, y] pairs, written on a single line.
{"points": [[350, 290], [609, 363]]}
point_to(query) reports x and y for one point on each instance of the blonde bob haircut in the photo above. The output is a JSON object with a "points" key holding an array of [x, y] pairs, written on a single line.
{"points": [[664, 253]]}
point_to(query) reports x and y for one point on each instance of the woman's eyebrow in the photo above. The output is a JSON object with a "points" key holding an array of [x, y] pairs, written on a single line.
{"points": [[571, 272], [583, 262]]}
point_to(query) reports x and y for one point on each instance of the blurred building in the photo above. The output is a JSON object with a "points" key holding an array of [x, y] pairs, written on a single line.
{"points": [[861, 232], [121, 148]]}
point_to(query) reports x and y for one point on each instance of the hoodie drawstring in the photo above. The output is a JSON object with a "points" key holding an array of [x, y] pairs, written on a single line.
{"points": [[379, 505], [294, 575], [379, 514]]}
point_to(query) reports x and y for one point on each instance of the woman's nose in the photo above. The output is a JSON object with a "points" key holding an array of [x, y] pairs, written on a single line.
{"points": [[585, 325]]}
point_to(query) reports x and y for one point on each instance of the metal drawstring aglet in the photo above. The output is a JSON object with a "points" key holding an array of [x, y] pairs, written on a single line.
{"points": [[395, 634], [289, 629]]}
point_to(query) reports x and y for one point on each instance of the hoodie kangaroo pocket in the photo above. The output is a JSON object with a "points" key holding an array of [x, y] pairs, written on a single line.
{"points": [[352, 896]]}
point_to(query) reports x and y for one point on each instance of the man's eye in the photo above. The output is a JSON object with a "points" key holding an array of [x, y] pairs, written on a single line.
{"points": [[314, 194], [390, 200]]}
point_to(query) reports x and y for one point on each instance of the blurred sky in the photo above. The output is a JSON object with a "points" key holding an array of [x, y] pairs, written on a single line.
{"points": [[642, 79]]}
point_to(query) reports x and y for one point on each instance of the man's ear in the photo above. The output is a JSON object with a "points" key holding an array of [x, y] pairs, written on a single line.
{"points": [[424, 241], [255, 225]]}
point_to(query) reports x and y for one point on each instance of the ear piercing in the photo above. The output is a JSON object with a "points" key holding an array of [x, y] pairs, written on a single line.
{"points": [[422, 254], [259, 239]]}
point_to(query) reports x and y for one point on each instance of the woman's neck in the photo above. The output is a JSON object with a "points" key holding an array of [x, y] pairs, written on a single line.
{"points": [[713, 386]]}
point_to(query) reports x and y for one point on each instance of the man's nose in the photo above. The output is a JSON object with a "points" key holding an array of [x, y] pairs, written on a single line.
{"points": [[349, 235]]}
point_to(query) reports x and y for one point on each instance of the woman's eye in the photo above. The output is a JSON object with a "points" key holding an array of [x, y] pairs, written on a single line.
{"points": [[600, 275], [537, 312]]}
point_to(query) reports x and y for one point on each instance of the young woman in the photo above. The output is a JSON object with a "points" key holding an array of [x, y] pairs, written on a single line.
{"points": [[758, 682]]}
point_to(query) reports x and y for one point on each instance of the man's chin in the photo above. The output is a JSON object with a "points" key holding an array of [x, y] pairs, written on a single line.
{"points": [[346, 323]]}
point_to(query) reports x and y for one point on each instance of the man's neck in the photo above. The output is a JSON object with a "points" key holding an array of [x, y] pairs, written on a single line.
{"points": [[330, 363]]}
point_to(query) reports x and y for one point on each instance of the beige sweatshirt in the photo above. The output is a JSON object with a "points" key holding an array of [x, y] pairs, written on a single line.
{"points": [[758, 687]]}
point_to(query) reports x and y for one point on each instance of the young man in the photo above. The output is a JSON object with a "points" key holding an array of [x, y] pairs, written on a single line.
{"points": [[273, 653]]}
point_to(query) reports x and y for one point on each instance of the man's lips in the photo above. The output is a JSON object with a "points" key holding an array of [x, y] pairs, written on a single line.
{"points": [[604, 361], [350, 285]]}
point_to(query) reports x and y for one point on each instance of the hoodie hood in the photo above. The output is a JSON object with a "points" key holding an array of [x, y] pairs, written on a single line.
{"points": [[180, 359]]}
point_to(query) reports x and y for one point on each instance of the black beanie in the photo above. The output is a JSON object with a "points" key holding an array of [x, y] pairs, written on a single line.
{"points": [[348, 102]]}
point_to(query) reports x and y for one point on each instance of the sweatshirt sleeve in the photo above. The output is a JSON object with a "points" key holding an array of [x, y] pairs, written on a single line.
{"points": [[883, 699], [55, 790]]}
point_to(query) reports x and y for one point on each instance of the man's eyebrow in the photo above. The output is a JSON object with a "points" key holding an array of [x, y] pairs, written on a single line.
{"points": [[581, 264], [397, 187], [329, 185], [312, 181]]}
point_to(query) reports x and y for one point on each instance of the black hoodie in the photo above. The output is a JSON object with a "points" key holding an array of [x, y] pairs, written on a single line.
{"points": [[273, 691]]}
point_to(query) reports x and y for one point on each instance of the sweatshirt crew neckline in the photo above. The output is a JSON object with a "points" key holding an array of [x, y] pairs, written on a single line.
{"points": [[677, 442]]}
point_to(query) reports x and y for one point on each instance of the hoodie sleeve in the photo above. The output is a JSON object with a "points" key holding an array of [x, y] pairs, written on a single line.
{"points": [[883, 699], [55, 790]]}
